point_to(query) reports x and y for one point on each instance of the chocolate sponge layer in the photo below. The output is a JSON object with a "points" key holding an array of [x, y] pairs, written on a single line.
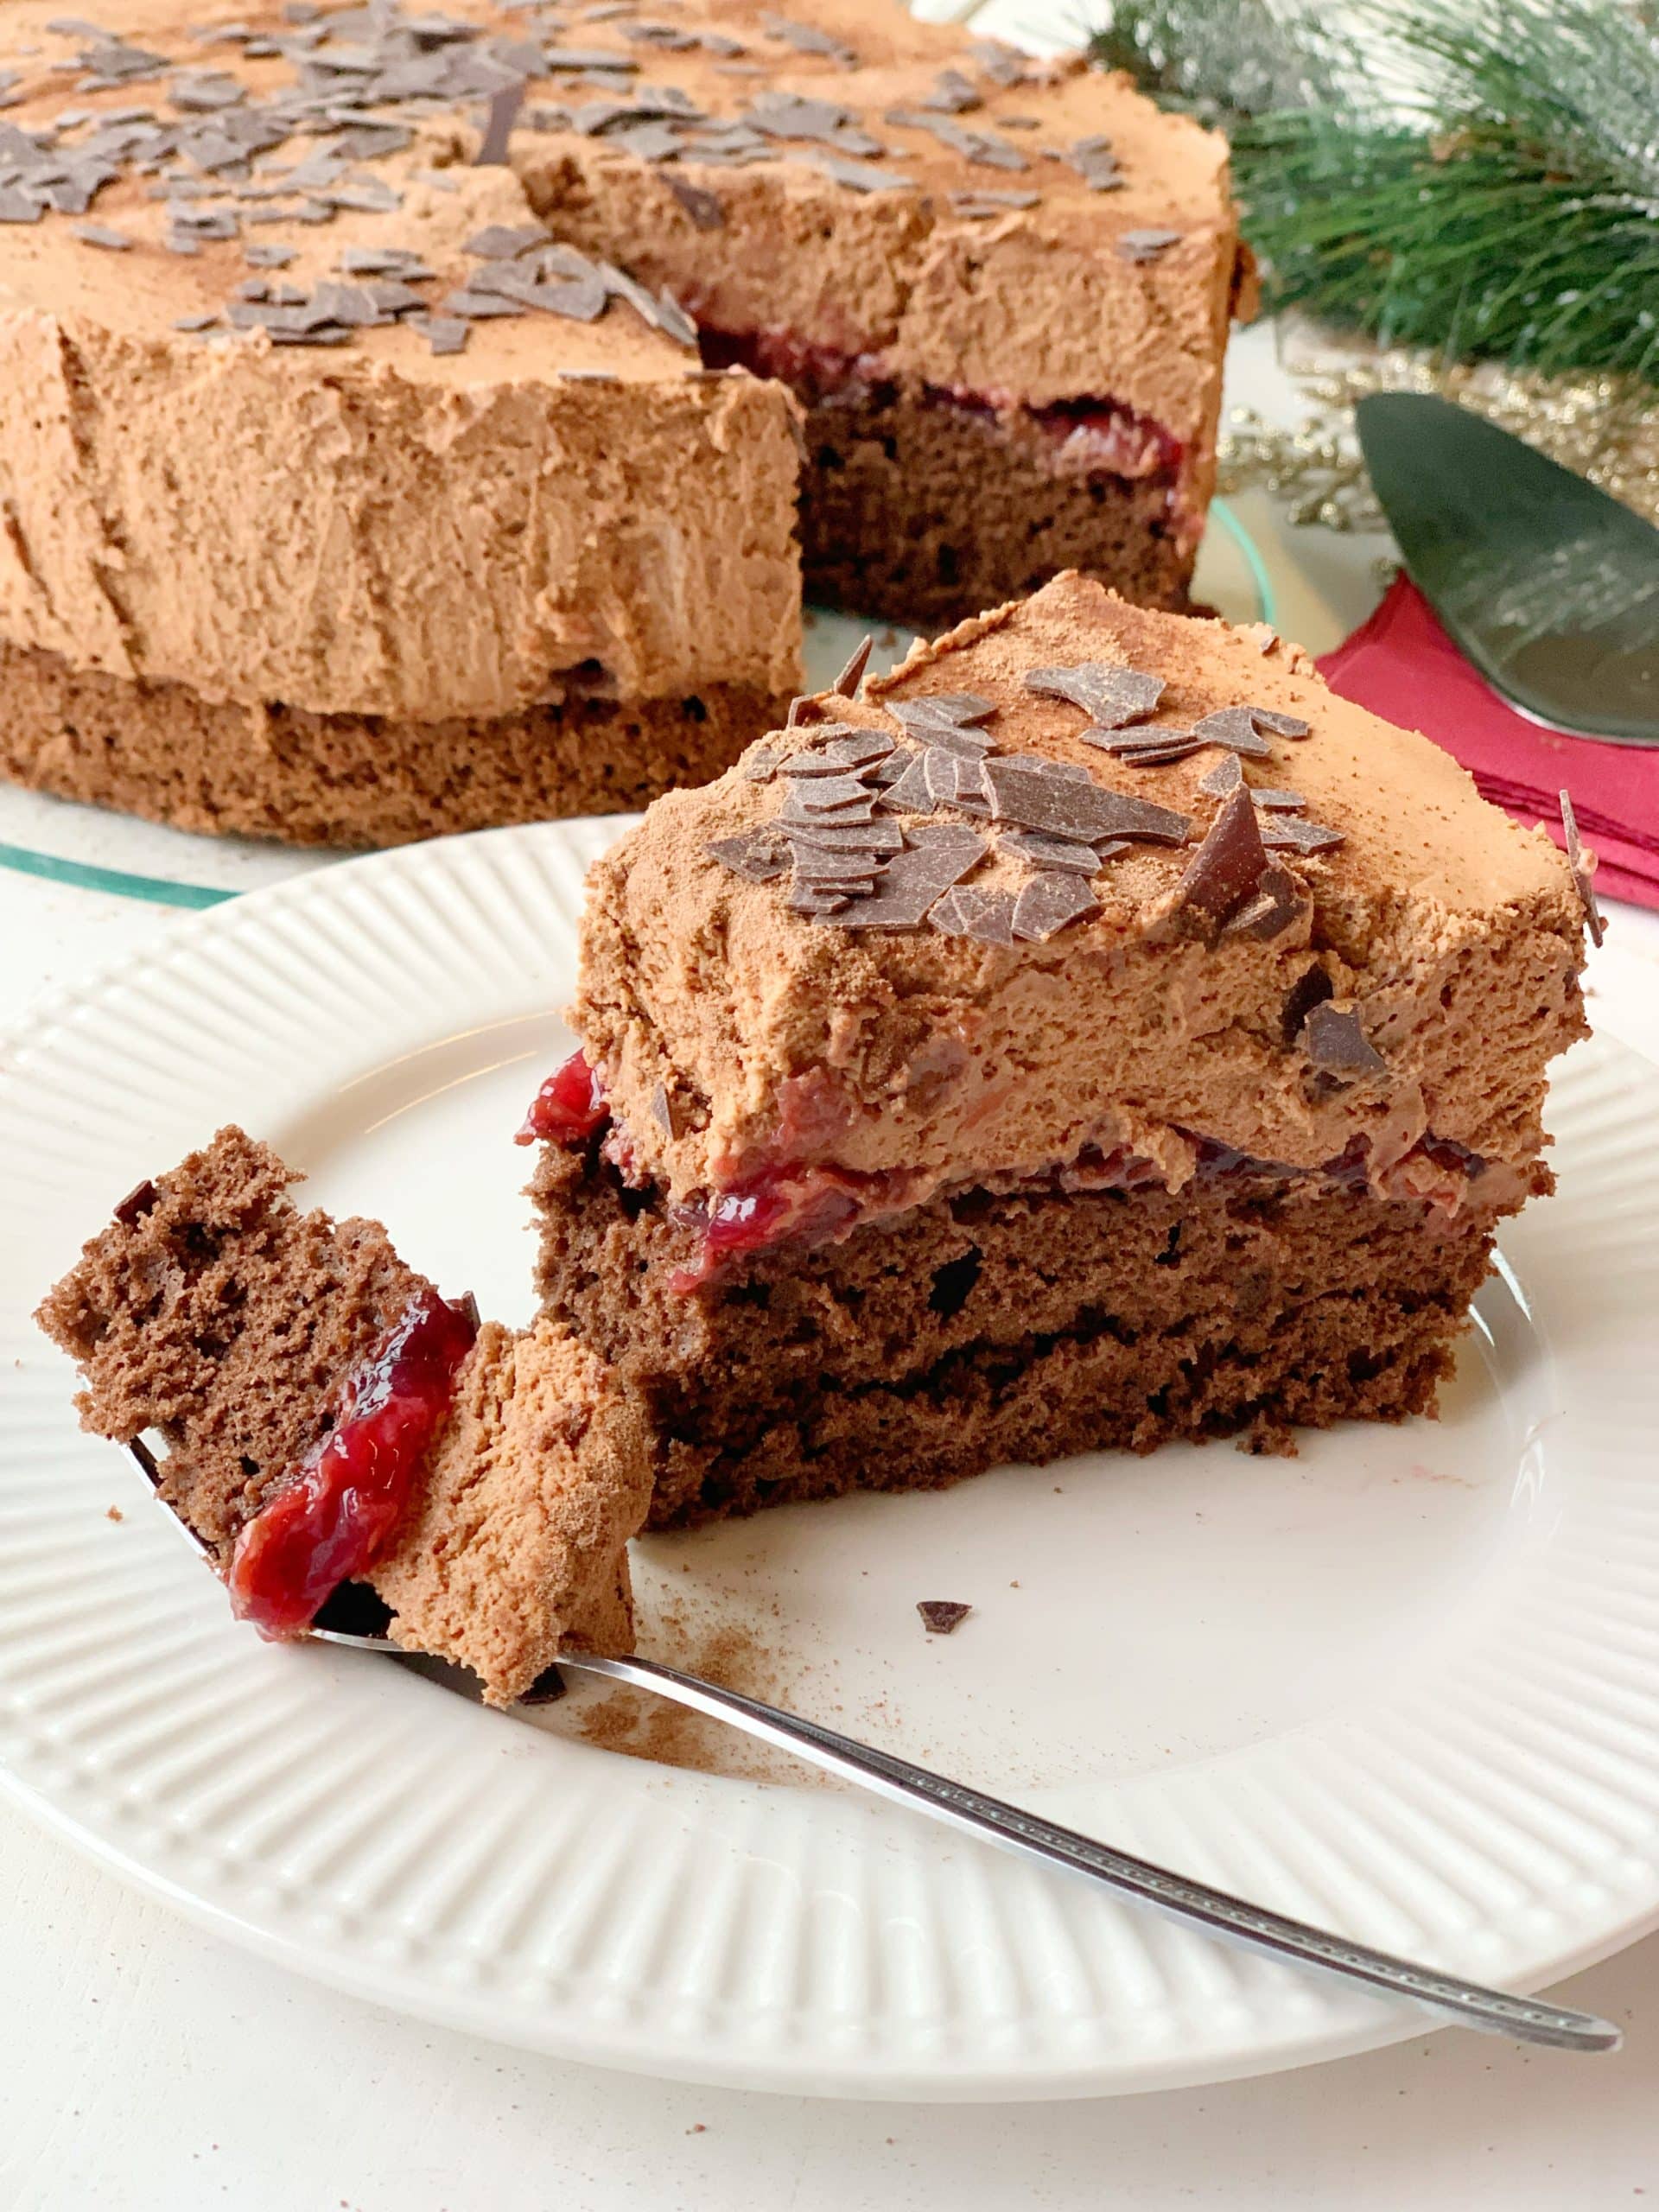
{"points": [[217, 1313], [982, 1329]]}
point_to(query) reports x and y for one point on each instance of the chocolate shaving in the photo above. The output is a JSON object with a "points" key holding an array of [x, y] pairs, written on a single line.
{"points": [[1227, 868], [1051, 902], [759, 854], [1582, 865], [1032, 795], [1279, 802], [665, 1111], [828, 794], [832, 836], [702, 206], [1278, 725], [862, 179], [956, 709], [98, 234], [937, 856], [498, 242], [498, 131], [1146, 246], [758, 764], [1336, 1044], [1223, 779], [941, 1615], [1277, 903], [443, 333], [986, 206], [1109, 695], [1050, 852], [952, 94], [987, 917], [841, 868], [910, 793], [1283, 833], [847, 684], [1234, 728]]}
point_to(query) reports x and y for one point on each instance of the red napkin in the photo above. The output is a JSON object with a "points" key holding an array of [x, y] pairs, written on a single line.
{"points": [[1402, 665]]}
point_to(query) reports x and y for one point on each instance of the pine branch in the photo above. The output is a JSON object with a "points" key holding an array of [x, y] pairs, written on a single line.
{"points": [[1504, 203]]}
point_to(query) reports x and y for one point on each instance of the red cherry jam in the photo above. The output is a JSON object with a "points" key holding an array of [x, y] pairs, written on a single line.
{"points": [[568, 1108], [330, 1522], [771, 1207]]}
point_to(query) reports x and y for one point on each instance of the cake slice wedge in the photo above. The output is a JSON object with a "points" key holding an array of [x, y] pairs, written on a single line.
{"points": [[329, 1418], [1096, 1032]]}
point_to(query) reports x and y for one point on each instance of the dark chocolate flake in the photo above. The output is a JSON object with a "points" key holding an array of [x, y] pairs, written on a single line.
{"points": [[1143, 245], [847, 684], [98, 234], [759, 855], [1234, 728], [502, 242], [1284, 832], [1336, 1044], [1278, 725], [1582, 866], [1030, 794], [497, 130], [937, 856], [985, 207], [861, 177], [1050, 903], [1109, 694], [987, 917], [1227, 868], [702, 206], [1279, 802], [829, 836], [1278, 901], [1223, 779], [443, 333], [1050, 852], [908, 794], [941, 1615]]}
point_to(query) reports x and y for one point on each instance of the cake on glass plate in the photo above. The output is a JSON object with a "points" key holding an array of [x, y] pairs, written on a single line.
{"points": [[402, 413], [1094, 1033]]}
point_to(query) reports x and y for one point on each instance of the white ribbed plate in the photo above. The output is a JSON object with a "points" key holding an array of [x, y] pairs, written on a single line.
{"points": [[1407, 1684]]}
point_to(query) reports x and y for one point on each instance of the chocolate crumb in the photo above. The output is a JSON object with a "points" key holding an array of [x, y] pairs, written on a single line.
{"points": [[1336, 1044], [941, 1615], [663, 1111], [138, 1203], [1582, 865]]}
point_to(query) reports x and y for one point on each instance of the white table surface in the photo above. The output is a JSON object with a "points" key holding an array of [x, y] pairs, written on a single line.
{"points": [[146, 2065]]}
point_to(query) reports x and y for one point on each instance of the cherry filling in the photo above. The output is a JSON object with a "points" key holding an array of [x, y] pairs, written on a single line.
{"points": [[1097, 434], [330, 1522], [568, 1108], [773, 1206]]}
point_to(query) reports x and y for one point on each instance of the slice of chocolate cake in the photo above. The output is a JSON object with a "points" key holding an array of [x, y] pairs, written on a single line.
{"points": [[1094, 1033], [329, 1418]]}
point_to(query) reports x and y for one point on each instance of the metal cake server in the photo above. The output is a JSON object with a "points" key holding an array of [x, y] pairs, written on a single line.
{"points": [[1294, 1942], [1546, 586]]}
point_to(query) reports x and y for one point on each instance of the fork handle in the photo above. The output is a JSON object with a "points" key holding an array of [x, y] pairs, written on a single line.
{"points": [[1215, 1911]]}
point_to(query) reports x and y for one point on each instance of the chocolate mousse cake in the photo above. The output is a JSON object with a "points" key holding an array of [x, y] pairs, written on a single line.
{"points": [[401, 413], [328, 1420], [1094, 1033]]}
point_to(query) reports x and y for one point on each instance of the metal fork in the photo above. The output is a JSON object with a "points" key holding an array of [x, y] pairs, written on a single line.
{"points": [[1295, 1943]]}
